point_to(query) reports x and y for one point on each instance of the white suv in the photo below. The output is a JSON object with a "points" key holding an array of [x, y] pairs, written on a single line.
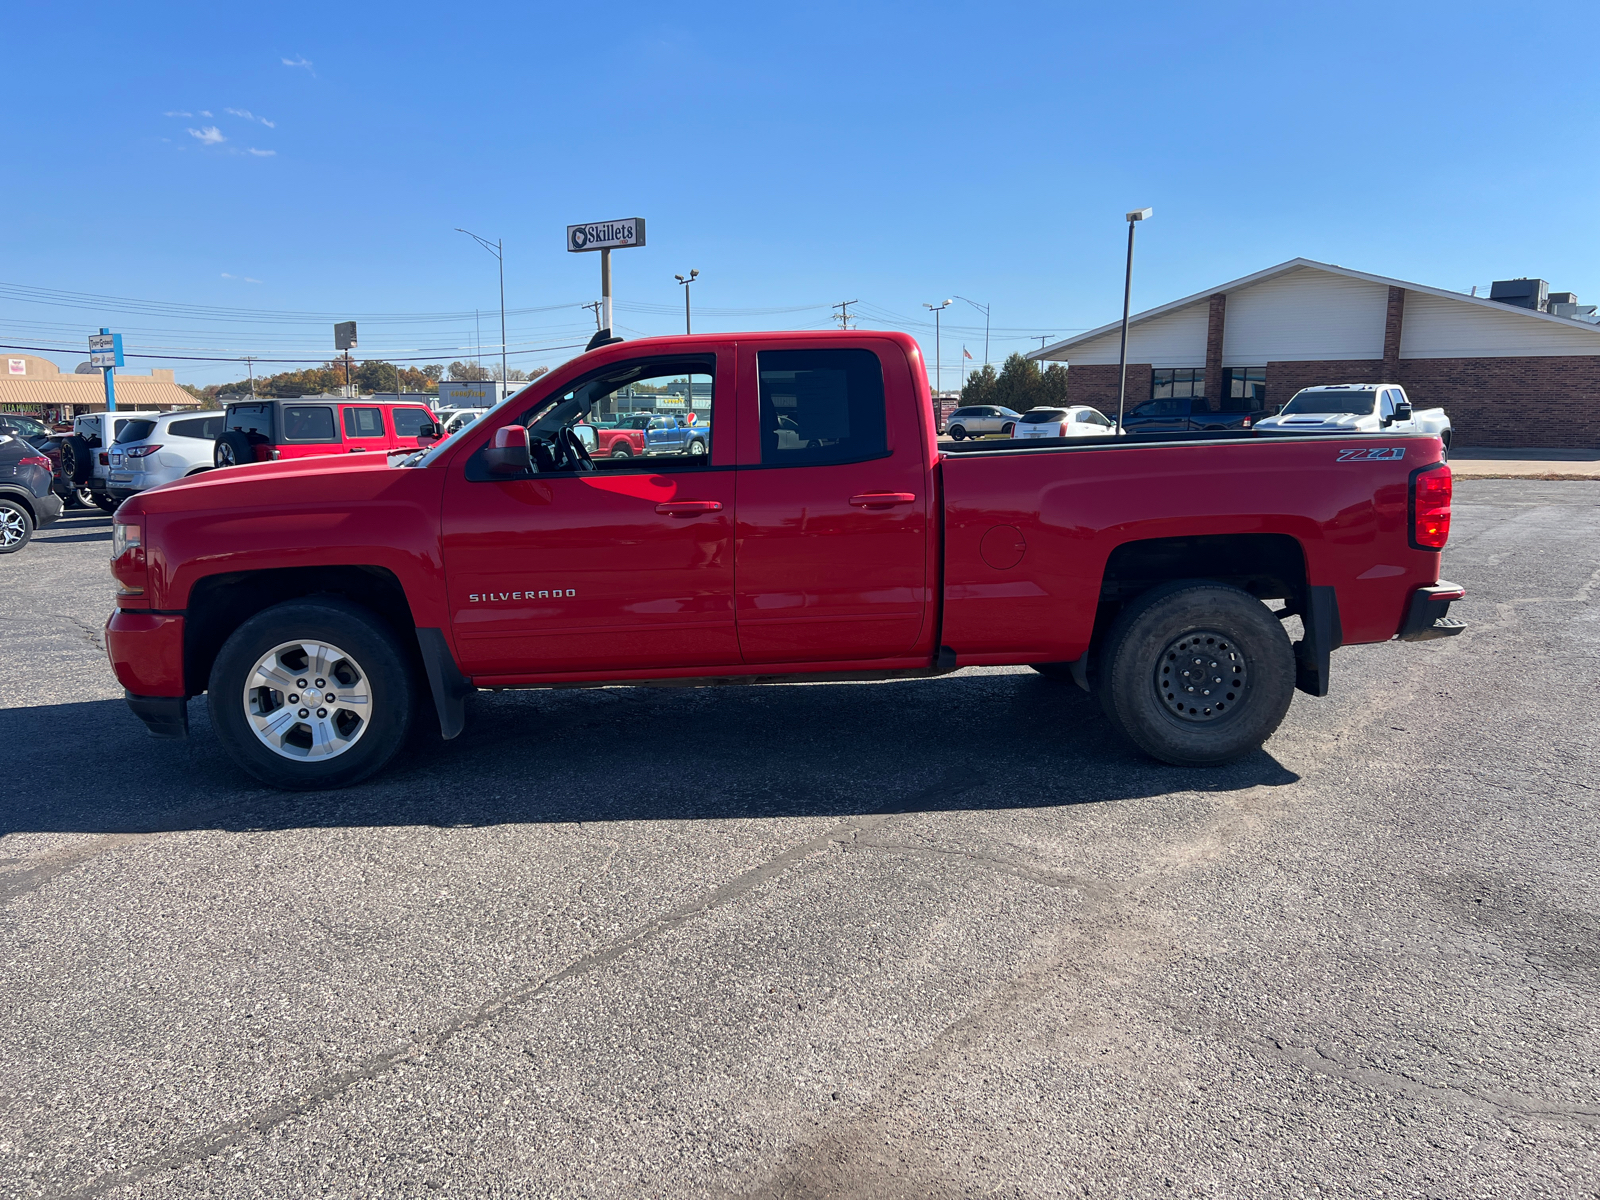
{"points": [[159, 447]]}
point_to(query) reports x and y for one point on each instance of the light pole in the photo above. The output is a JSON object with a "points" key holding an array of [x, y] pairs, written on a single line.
{"points": [[1141, 214], [497, 249], [938, 379], [686, 280], [984, 309]]}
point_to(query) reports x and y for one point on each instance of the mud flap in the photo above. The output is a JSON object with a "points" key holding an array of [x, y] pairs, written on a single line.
{"points": [[1323, 636]]}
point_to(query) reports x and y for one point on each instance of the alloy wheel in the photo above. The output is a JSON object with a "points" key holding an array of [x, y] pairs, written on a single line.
{"points": [[307, 700]]}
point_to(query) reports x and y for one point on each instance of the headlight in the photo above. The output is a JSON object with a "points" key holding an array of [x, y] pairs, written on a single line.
{"points": [[124, 537]]}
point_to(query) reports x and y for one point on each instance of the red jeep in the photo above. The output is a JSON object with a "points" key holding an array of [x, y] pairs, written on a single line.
{"points": [[267, 430]]}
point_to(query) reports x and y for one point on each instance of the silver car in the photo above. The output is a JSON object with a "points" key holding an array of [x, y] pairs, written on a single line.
{"points": [[159, 447], [979, 419]]}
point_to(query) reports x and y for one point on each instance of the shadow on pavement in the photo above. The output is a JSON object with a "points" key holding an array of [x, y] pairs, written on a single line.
{"points": [[968, 742]]}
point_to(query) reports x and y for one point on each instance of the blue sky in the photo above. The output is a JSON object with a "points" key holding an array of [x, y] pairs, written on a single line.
{"points": [[797, 155]]}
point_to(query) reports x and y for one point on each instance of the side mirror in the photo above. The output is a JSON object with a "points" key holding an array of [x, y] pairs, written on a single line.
{"points": [[508, 453], [1402, 411], [428, 433]]}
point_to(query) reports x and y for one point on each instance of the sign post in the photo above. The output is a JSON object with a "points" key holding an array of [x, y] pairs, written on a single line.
{"points": [[105, 352], [605, 236], [344, 337]]}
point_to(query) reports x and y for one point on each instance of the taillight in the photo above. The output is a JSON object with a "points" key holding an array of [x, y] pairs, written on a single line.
{"points": [[1247, 422], [34, 460], [1430, 507], [127, 557], [105, 459], [141, 451]]}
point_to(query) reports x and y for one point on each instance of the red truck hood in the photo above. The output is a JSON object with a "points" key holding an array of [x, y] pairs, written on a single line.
{"points": [[213, 487]]}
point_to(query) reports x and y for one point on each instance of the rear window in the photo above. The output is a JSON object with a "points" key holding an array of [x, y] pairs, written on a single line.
{"points": [[205, 428], [135, 431], [255, 419], [408, 422], [821, 406], [308, 423], [1046, 416]]}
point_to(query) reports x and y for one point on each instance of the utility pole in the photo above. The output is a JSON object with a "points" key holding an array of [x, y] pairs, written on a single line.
{"points": [[595, 304], [250, 365], [938, 378], [843, 316], [498, 249], [686, 280], [984, 309]]}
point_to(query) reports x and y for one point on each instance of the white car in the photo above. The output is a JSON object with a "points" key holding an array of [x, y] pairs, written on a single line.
{"points": [[1356, 408], [156, 448], [1076, 420]]}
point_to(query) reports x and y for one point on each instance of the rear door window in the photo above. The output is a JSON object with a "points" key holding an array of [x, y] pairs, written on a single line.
{"points": [[363, 423], [821, 406], [309, 423]]}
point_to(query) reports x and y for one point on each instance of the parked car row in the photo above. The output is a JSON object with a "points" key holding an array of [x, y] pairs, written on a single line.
{"points": [[1332, 408]]}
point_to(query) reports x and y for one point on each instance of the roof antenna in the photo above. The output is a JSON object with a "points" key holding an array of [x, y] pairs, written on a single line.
{"points": [[602, 337]]}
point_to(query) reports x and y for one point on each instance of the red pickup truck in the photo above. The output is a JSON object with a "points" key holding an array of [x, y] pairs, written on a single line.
{"points": [[825, 534]]}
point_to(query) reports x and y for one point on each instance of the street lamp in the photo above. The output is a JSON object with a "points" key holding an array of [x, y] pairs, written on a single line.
{"points": [[984, 309], [498, 250], [686, 280], [938, 379], [1142, 214]]}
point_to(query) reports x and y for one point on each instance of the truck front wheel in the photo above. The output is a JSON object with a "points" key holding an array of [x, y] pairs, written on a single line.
{"points": [[1197, 674], [311, 694]]}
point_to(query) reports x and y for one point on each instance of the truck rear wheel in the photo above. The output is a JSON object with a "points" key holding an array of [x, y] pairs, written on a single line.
{"points": [[1197, 674], [311, 694], [621, 450]]}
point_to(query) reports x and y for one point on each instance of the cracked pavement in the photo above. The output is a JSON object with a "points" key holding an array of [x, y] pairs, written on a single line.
{"points": [[942, 938]]}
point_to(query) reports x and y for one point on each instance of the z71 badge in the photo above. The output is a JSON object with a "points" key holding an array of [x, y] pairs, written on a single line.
{"points": [[1382, 452]]}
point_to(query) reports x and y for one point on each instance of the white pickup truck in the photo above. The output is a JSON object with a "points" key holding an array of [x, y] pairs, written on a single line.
{"points": [[1347, 408]]}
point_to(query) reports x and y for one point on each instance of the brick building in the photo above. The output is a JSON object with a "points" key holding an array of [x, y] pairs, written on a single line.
{"points": [[1507, 375]]}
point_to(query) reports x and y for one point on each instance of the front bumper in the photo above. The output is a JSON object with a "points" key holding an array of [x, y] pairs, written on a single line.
{"points": [[146, 652], [1428, 615]]}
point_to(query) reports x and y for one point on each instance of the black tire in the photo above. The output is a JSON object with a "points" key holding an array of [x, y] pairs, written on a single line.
{"points": [[232, 449], [16, 526], [957, 432], [1008, 429], [370, 659], [77, 461], [621, 450], [1225, 714], [105, 503]]}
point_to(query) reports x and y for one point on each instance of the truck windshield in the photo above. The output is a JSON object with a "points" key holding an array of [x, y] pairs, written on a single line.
{"points": [[1331, 402]]}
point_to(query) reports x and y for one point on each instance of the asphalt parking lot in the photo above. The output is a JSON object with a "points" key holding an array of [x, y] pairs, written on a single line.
{"points": [[920, 939]]}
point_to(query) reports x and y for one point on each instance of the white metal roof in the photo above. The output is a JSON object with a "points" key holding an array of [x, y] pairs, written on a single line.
{"points": [[1057, 352]]}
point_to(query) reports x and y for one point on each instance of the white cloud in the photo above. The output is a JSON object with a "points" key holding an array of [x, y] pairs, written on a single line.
{"points": [[267, 123], [241, 112], [178, 114], [262, 153], [204, 113], [298, 62], [209, 136], [240, 278]]}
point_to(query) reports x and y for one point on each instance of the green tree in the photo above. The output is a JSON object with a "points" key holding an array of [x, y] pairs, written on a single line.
{"points": [[980, 387]]}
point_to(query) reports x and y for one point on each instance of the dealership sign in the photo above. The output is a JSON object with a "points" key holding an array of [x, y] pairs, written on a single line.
{"points": [[606, 235]]}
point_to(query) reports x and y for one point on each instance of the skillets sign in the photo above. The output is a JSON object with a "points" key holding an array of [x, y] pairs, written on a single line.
{"points": [[606, 235]]}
